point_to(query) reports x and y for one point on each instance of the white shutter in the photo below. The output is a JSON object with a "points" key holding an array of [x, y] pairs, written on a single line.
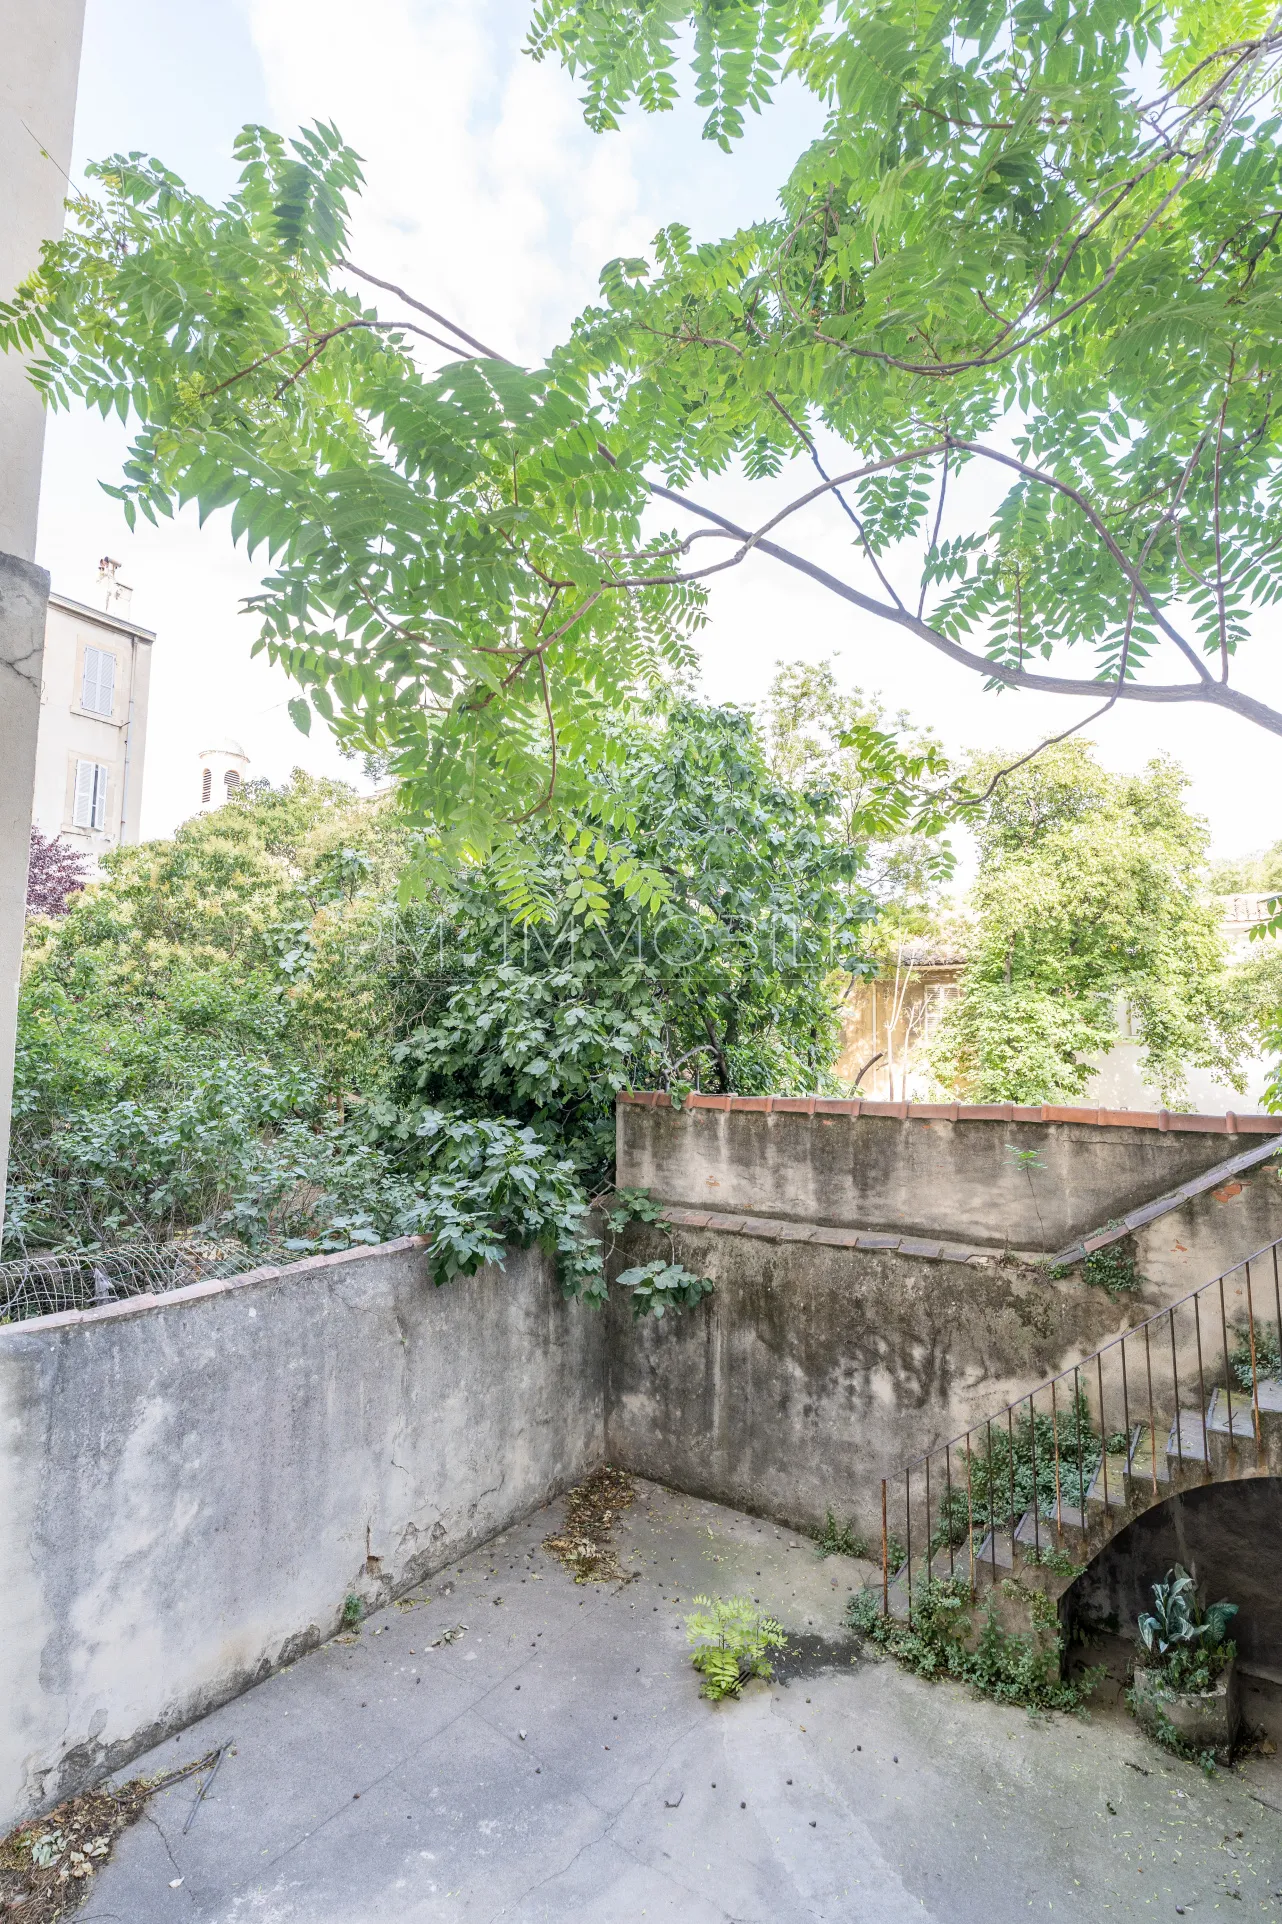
{"points": [[98, 686], [89, 802], [82, 809]]}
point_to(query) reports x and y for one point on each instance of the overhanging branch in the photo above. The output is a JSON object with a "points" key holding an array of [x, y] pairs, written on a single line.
{"points": [[1215, 693]]}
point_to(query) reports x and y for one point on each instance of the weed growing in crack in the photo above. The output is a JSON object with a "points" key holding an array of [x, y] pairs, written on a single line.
{"points": [[840, 1539], [732, 1639]]}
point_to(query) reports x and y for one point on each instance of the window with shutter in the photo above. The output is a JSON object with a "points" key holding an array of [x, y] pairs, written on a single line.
{"points": [[98, 684], [82, 801], [89, 801], [206, 784]]}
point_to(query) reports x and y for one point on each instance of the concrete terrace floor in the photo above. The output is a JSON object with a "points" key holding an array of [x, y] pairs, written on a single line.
{"points": [[555, 1762]]}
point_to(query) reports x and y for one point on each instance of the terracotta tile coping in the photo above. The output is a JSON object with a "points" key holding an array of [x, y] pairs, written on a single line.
{"points": [[1163, 1119]]}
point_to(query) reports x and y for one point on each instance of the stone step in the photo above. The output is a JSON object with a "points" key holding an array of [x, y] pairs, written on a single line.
{"points": [[1062, 1530], [942, 1566], [994, 1549], [1188, 1441], [1118, 1463], [1231, 1417], [1147, 1459]]}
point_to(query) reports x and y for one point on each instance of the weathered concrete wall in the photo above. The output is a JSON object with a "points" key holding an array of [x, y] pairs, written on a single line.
{"points": [[869, 1166], [1207, 1235], [190, 1485], [813, 1370]]}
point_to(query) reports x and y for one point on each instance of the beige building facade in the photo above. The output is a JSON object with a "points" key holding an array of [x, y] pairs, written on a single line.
{"points": [[888, 1023], [93, 725]]}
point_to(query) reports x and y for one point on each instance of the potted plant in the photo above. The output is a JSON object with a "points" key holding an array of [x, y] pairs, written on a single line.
{"points": [[1185, 1688]]}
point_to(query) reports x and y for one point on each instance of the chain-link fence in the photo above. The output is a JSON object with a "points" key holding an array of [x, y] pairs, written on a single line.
{"points": [[45, 1285]]}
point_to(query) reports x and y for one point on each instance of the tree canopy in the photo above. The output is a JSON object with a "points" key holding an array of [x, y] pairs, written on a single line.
{"points": [[1090, 913], [1035, 240], [242, 1032]]}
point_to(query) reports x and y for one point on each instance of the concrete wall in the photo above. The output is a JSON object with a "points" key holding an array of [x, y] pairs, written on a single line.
{"points": [[24, 591], [814, 1370], [934, 1170], [190, 1485], [38, 75]]}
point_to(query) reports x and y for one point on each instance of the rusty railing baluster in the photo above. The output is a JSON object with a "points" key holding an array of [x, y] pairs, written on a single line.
{"points": [[1010, 1442], [992, 1515], [1126, 1404], [929, 1552], [1032, 1449], [1201, 1382], [1103, 1428], [1152, 1420], [885, 1556], [1228, 1374], [908, 1537], [1077, 1419], [1059, 1500], [970, 1518], [1175, 1377], [948, 1479], [1255, 1374]]}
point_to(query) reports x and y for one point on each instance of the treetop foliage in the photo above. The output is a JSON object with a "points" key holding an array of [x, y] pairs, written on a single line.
{"points": [[1038, 241], [1089, 910], [436, 539], [1006, 220]]}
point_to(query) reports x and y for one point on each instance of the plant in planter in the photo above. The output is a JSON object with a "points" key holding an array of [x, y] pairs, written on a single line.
{"points": [[1185, 1691]]}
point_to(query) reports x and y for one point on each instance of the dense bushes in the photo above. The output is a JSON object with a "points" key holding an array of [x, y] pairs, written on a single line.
{"points": [[245, 1032]]}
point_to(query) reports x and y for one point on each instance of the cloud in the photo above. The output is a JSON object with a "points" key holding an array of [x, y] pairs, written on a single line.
{"points": [[486, 194]]}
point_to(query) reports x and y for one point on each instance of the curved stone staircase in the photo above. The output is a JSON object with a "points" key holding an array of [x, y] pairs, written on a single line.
{"points": [[1190, 1396]]}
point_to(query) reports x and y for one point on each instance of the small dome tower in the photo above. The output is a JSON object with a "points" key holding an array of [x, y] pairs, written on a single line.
{"points": [[222, 771]]}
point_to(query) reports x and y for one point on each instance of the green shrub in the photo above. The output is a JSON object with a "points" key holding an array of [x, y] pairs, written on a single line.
{"points": [[732, 1639], [840, 1539], [1013, 1468], [1009, 1666], [1114, 1270], [1268, 1356]]}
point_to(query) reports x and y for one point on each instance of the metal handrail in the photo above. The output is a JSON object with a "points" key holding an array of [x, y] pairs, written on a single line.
{"points": [[1072, 1458]]}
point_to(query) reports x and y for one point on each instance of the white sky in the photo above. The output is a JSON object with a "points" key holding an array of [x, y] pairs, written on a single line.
{"points": [[489, 199]]}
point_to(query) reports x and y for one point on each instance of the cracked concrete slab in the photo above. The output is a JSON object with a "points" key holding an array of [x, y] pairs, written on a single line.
{"points": [[556, 1763]]}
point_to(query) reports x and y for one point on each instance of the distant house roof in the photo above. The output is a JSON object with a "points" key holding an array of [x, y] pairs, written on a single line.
{"points": [[925, 955], [120, 623]]}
